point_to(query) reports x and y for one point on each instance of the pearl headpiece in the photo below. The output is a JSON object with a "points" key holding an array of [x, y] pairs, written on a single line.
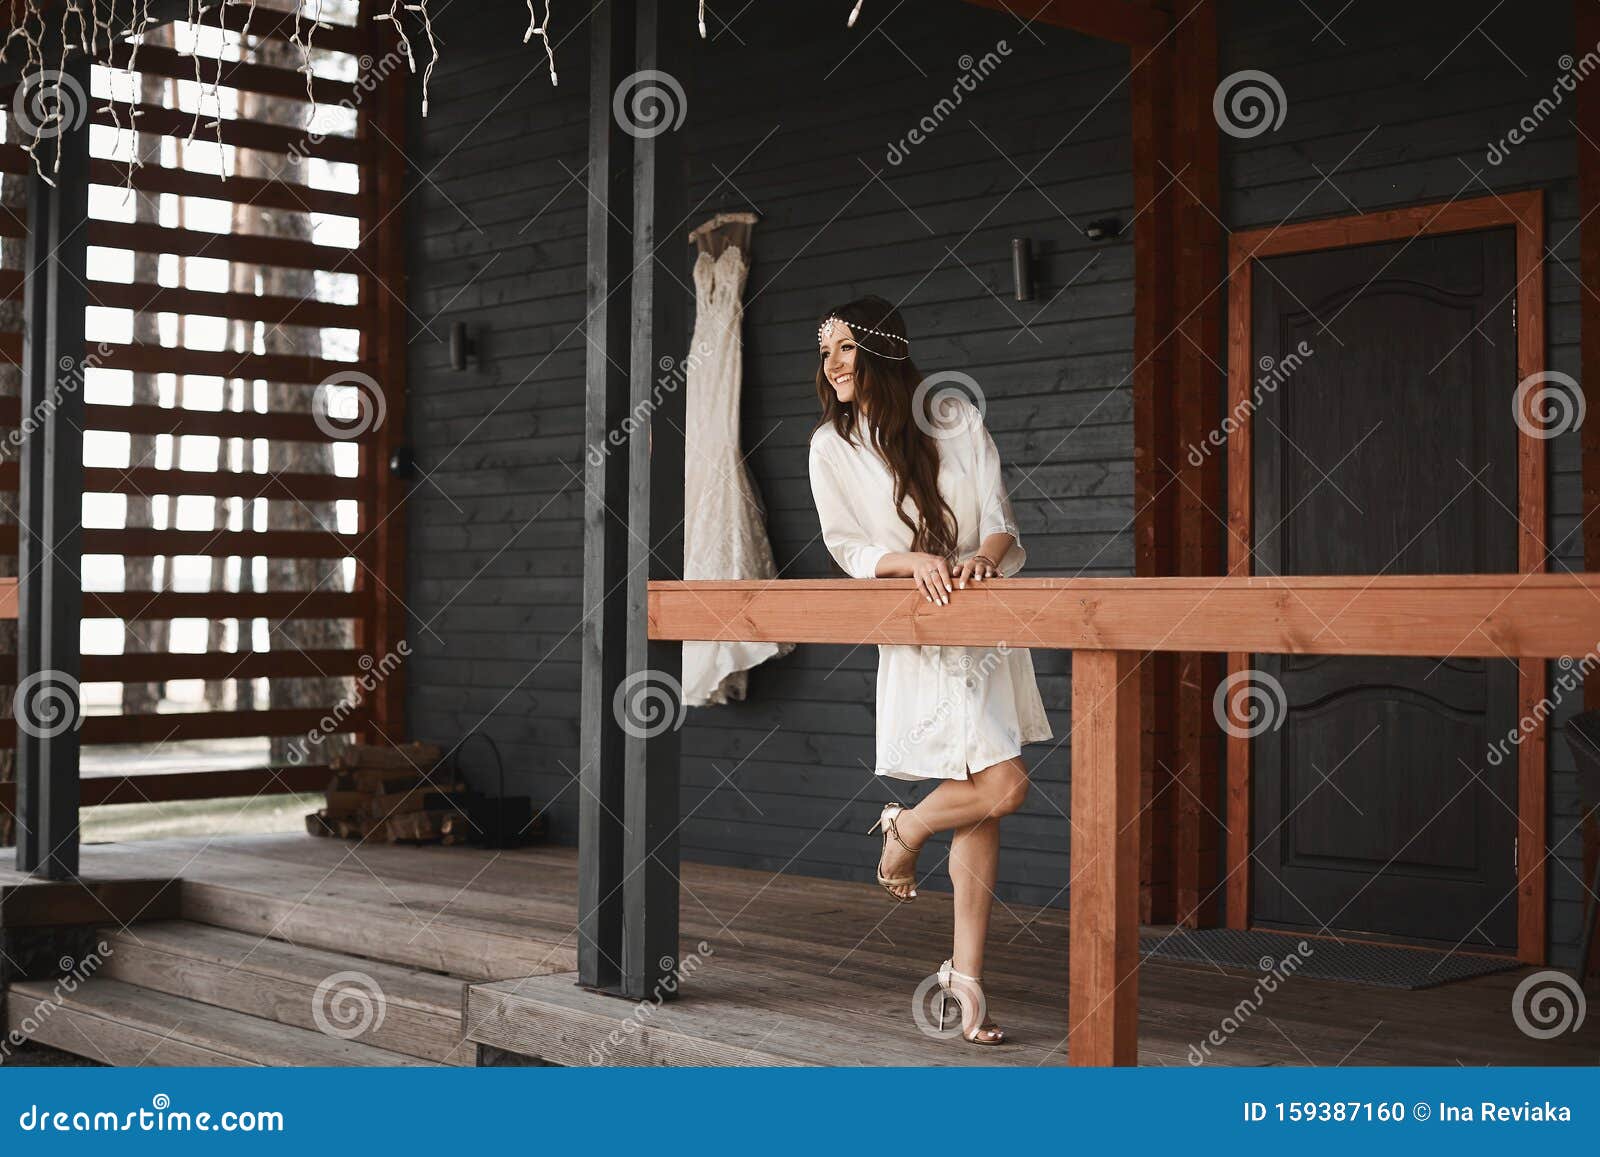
{"points": [[825, 331]]}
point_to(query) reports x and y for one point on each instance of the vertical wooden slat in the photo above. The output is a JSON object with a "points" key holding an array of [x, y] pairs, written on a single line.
{"points": [[50, 555], [1103, 996], [1154, 522], [605, 505], [655, 520], [1532, 512]]}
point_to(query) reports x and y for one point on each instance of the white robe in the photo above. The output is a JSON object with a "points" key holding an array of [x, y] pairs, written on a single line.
{"points": [[943, 711]]}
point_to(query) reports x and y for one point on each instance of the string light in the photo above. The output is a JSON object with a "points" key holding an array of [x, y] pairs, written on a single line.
{"points": [[29, 27]]}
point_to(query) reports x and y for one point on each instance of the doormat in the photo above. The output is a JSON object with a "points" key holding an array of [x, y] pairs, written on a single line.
{"points": [[1353, 962]]}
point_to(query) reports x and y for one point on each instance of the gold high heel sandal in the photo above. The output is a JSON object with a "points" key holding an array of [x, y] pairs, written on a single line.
{"points": [[886, 820], [986, 1033]]}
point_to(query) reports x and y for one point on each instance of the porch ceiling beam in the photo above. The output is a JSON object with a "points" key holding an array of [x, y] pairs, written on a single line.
{"points": [[1490, 616], [1117, 20]]}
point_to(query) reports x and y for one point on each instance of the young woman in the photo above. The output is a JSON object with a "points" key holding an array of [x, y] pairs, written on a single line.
{"points": [[907, 485]]}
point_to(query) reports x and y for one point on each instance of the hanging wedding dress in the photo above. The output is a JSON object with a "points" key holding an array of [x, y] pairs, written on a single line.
{"points": [[724, 533]]}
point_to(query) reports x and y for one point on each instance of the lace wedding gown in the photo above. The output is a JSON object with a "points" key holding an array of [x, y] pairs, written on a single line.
{"points": [[724, 533]]}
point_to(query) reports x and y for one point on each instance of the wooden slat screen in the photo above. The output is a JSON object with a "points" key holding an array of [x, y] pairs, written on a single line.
{"points": [[307, 205]]}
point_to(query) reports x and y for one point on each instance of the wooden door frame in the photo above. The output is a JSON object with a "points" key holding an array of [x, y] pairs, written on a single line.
{"points": [[1523, 211]]}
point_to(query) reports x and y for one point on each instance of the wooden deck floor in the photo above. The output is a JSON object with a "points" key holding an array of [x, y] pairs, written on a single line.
{"points": [[794, 970]]}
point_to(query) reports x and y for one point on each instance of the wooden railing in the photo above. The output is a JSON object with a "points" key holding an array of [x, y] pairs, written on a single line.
{"points": [[1108, 624]]}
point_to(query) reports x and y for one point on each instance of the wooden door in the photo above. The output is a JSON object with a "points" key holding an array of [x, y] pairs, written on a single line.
{"points": [[1384, 443]]}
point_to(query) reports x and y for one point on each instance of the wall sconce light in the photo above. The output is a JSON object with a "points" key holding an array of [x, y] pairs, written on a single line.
{"points": [[1104, 229], [1022, 267], [462, 346]]}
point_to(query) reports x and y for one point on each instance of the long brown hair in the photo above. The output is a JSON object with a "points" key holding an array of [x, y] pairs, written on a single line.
{"points": [[888, 385]]}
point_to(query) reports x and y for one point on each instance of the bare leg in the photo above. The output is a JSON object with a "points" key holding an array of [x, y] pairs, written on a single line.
{"points": [[974, 863], [997, 790]]}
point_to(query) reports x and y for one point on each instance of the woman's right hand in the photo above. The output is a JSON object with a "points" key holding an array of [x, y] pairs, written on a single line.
{"points": [[932, 574]]}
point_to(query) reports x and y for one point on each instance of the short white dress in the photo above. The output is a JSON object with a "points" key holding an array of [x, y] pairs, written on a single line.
{"points": [[943, 712]]}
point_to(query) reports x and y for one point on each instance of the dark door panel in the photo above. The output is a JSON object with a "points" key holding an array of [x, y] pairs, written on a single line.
{"points": [[1389, 449]]}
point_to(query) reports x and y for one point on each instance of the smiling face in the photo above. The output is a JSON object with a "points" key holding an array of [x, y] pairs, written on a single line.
{"points": [[838, 353]]}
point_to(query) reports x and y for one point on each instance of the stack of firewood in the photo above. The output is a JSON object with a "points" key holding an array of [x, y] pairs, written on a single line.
{"points": [[393, 795]]}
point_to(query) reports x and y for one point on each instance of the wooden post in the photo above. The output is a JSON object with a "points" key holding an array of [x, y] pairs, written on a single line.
{"points": [[49, 540], [605, 505], [1197, 395], [1103, 997], [655, 506], [382, 125]]}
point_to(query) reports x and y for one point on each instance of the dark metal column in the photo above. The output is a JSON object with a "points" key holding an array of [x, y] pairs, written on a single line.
{"points": [[605, 504], [49, 543]]}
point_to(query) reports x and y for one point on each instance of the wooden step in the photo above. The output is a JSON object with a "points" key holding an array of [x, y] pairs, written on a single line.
{"points": [[439, 940], [28, 901], [730, 1013], [121, 1024], [421, 1011]]}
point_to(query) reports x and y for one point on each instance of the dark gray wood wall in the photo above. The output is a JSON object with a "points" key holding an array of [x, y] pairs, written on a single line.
{"points": [[794, 115]]}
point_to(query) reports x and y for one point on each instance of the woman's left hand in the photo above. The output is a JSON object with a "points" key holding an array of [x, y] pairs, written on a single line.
{"points": [[977, 568]]}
